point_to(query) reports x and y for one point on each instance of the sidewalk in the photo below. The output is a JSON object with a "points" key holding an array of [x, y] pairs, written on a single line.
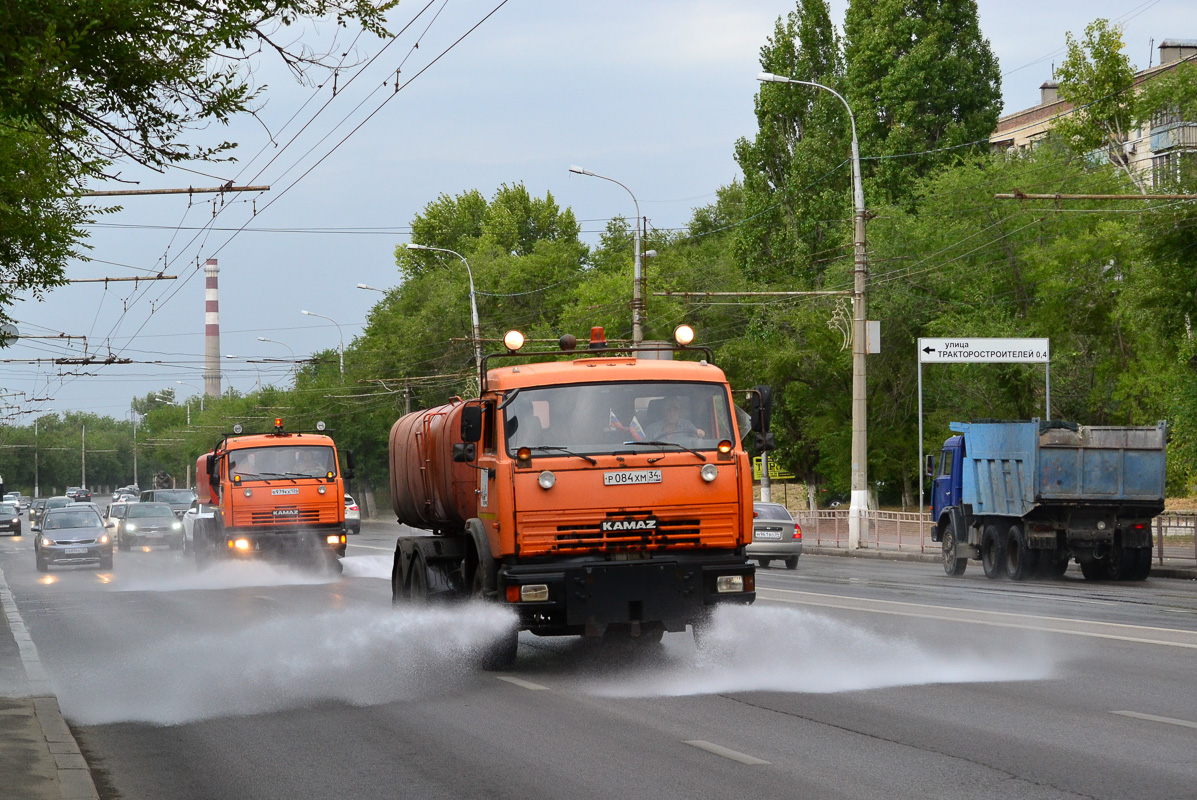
{"points": [[39, 758]]}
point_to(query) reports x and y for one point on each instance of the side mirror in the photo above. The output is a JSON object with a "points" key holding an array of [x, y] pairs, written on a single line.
{"points": [[465, 451], [471, 423], [211, 463], [930, 465]]}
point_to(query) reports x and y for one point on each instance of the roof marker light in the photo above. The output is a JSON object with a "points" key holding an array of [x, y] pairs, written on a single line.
{"points": [[683, 335], [513, 341]]}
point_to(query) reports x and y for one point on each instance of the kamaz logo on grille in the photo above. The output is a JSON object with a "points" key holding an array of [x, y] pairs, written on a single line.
{"points": [[618, 525], [286, 512], [292, 490]]}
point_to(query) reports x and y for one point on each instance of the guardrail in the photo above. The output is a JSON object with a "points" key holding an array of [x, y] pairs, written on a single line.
{"points": [[910, 532]]}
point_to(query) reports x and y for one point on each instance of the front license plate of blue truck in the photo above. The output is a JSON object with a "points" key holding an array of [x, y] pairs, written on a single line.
{"points": [[629, 477]]}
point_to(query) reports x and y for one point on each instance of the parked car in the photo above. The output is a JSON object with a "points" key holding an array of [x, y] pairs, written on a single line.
{"points": [[148, 524], [775, 534], [57, 501], [197, 510], [179, 500], [10, 518], [353, 516], [72, 536]]}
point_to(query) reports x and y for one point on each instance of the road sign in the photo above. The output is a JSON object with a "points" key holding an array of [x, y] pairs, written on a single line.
{"points": [[775, 472], [1002, 351]]}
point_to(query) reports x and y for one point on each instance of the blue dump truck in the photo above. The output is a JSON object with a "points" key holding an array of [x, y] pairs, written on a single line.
{"points": [[1028, 497]]}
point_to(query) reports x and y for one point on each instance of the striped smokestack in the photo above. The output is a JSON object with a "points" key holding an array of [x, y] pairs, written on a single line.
{"points": [[211, 330]]}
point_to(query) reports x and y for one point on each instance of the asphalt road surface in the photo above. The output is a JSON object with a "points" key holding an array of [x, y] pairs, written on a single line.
{"points": [[848, 679]]}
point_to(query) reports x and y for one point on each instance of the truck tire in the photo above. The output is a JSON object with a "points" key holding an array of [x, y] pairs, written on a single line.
{"points": [[952, 565], [1093, 569], [1139, 564], [993, 551], [1021, 561], [417, 580], [399, 595]]}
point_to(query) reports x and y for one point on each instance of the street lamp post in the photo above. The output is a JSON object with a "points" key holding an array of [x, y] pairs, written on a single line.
{"points": [[341, 352], [473, 301], [370, 288], [637, 271], [860, 441], [289, 350], [197, 390]]}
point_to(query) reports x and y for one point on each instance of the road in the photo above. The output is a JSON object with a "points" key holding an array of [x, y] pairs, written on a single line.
{"points": [[849, 678]]}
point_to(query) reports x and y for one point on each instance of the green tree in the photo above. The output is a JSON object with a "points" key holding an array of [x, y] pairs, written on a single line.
{"points": [[85, 84], [923, 83]]}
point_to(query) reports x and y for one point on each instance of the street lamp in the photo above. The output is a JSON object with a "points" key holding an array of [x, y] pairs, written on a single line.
{"points": [[860, 439], [248, 361], [371, 288], [341, 352], [169, 399], [637, 272], [473, 301], [289, 350], [197, 390]]}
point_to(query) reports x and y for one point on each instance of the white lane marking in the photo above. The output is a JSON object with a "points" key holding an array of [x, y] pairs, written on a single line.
{"points": [[372, 547], [1184, 723], [718, 750], [997, 619], [35, 673], [536, 687]]}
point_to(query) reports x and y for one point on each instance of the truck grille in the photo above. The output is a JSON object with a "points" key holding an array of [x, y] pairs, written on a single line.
{"points": [[581, 532], [303, 516]]}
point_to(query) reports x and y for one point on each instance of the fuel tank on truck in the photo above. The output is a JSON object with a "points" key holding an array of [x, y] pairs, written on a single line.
{"points": [[428, 489]]}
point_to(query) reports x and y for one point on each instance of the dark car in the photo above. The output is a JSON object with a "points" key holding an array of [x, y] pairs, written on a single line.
{"points": [[149, 524], [72, 536], [57, 501], [10, 519], [775, 534], [35, 511], [179, 500], [79, 494]]}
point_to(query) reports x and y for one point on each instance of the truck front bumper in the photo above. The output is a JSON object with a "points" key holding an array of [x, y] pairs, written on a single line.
{"points": [[584, 598], [282, 544]]}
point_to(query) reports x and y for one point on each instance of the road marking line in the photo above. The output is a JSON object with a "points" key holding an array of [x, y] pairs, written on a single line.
{"points": [[718, 750], [536, 687], [997, 619], [372, 547], [1184, 723]]}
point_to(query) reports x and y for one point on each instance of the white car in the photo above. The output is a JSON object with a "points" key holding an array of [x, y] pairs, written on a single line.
{"points": [[353, 516], [197, 510], [17, 499]]}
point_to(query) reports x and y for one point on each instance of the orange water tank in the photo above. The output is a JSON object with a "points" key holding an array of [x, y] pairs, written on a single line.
{"points": [[428, 489], [203, 490]]}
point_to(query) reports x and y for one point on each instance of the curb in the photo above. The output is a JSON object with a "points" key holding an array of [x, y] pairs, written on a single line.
{"points": [[56, 744], [1157, 571]]}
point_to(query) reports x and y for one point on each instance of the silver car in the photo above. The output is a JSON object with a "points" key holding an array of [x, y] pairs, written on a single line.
{"points": [[775, 534], [72, 536], [353, 516]]}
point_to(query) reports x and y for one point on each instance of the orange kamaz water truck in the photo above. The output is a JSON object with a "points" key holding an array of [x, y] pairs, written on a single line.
{"points": [[603, 494], [277, 495]]}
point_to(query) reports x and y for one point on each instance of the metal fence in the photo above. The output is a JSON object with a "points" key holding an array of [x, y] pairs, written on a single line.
{"points": [[910, 532]]}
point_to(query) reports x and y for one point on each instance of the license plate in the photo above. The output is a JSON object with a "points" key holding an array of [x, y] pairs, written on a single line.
{"points": [[767, 535], [632, 476], [75, 551], [292, 490]]}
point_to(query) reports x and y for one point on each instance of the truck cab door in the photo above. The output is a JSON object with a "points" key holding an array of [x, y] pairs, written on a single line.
{"points": [[946, 486]]}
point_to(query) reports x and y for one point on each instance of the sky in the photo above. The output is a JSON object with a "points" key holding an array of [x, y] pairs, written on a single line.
{"points": [[651, 93]]}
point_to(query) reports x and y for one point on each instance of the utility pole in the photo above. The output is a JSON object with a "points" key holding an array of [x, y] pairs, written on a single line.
{"points": [[36, 493], [83, 459]]}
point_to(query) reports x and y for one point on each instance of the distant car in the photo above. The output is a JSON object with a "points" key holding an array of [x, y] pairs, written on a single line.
{"points": [[17, 500], [179, 500], [10, 519], [35, 511], [353, 516], [79, 494], [131, 490], [775, 534], [57, 501], [148, 524], [72, 535], [197, 511], [114, 514]]}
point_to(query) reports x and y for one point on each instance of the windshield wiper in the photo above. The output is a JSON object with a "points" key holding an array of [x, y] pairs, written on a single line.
{"points": [[657, 443], [279, 475], [251, 476], [565, 450]]}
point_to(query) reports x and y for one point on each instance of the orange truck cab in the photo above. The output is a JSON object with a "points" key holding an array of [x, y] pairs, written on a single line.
{"points": [[606, 495], [277, 495]]}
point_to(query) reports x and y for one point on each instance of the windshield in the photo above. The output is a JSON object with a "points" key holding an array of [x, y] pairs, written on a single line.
{"points": [[174, 495], [602, 417], [73, 519], [7, 509], [149, 510], [293, 461]]}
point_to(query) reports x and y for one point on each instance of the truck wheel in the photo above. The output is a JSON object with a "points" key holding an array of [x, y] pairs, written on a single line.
{"points": [[1093, 570], [952, 565], [399, 594], [1142, 563], [417, 580], [1021, 560], [993, 551]]}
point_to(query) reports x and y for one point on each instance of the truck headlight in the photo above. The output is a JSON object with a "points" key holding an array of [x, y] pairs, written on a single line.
{"points": [[130, 527], [726, 584], [534, 593], [546, 479], [709, 472]]}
